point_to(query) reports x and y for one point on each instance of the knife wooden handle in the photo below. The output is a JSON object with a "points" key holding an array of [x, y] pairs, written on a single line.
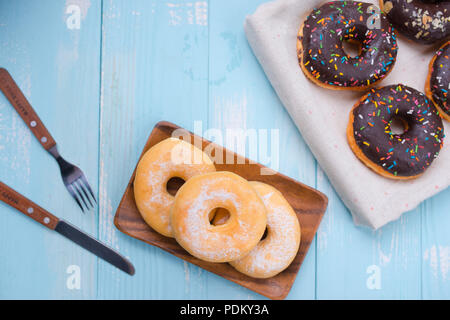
{"points": [[15, 96], [27, 207]]}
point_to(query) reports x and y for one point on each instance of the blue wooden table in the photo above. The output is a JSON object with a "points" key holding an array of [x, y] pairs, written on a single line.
{"points": [[101, 74]]}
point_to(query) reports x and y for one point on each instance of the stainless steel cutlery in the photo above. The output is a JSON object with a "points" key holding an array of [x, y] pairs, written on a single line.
{"points": [[73, 178], [32, 210]]}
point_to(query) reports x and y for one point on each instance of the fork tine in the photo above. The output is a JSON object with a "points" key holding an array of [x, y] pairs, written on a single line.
{"points": [[80, 194], [86, 184], [72, 193], [81, 186]]}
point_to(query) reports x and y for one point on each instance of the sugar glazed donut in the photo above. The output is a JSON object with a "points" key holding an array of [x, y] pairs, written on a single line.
{"points": [[278, 249], [218, 243], [320, 45], [168, 159], [398, 156], [423, 21], [437, 85]]}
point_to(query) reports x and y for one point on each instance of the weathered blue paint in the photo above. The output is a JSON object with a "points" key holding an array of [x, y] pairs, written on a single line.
{"points": [[100, 90]]}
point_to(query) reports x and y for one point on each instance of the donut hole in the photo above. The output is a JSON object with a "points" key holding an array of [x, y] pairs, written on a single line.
{"points": [[219, 216], [264, 234], [174, 184], [352, 48], [398, 126]]}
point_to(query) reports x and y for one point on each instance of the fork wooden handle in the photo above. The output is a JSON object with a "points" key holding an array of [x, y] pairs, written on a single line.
{"points": [[27, 207], [15, 96]]}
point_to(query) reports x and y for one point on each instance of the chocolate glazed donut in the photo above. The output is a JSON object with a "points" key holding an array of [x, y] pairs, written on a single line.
{"points": [[438, 80], [397, 156], [423, 21], [320, 45]]}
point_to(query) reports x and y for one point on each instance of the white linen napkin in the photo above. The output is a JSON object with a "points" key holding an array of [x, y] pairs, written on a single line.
{"points": [[321, 115]]}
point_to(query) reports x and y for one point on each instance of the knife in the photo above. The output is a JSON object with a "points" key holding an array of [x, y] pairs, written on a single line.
{"points": [[32, 210]]}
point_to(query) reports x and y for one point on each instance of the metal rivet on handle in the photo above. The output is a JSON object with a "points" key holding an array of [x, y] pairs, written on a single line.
{"points": [[30, 210], [33, 123], [43, 139], [46, 220]]}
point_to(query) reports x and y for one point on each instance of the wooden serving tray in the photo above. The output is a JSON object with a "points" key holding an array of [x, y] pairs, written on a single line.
{"points": [[308, 203]]}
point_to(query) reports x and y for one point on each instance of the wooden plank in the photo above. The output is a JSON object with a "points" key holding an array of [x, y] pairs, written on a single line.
{"points": [[241, 98], [180, 61], [358, 263], [154, 67], [308, 204], [436, 247], [58, 70]]}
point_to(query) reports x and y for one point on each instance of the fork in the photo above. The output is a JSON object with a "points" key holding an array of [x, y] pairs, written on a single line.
{"points": [[73, 178]]}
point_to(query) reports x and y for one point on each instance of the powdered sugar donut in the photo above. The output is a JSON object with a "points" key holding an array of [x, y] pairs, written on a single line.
{"points": [[168, 159], [190, 217], [278, 249]]}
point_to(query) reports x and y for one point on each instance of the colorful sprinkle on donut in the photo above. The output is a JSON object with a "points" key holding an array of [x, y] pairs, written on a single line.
{"points": [[396, 155], [438, 82], [320, 45]]}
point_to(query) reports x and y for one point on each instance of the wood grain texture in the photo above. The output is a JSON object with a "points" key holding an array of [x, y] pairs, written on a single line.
{"points": [[154, 66], [20, 103], [435, 247], [27, 207], [241, 98], [358, 256], [59, 73], [309, 205], [100, 89]]}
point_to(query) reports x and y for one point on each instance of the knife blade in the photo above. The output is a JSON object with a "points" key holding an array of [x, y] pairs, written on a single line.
{"points": [[32, 210], [94, 246]]}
